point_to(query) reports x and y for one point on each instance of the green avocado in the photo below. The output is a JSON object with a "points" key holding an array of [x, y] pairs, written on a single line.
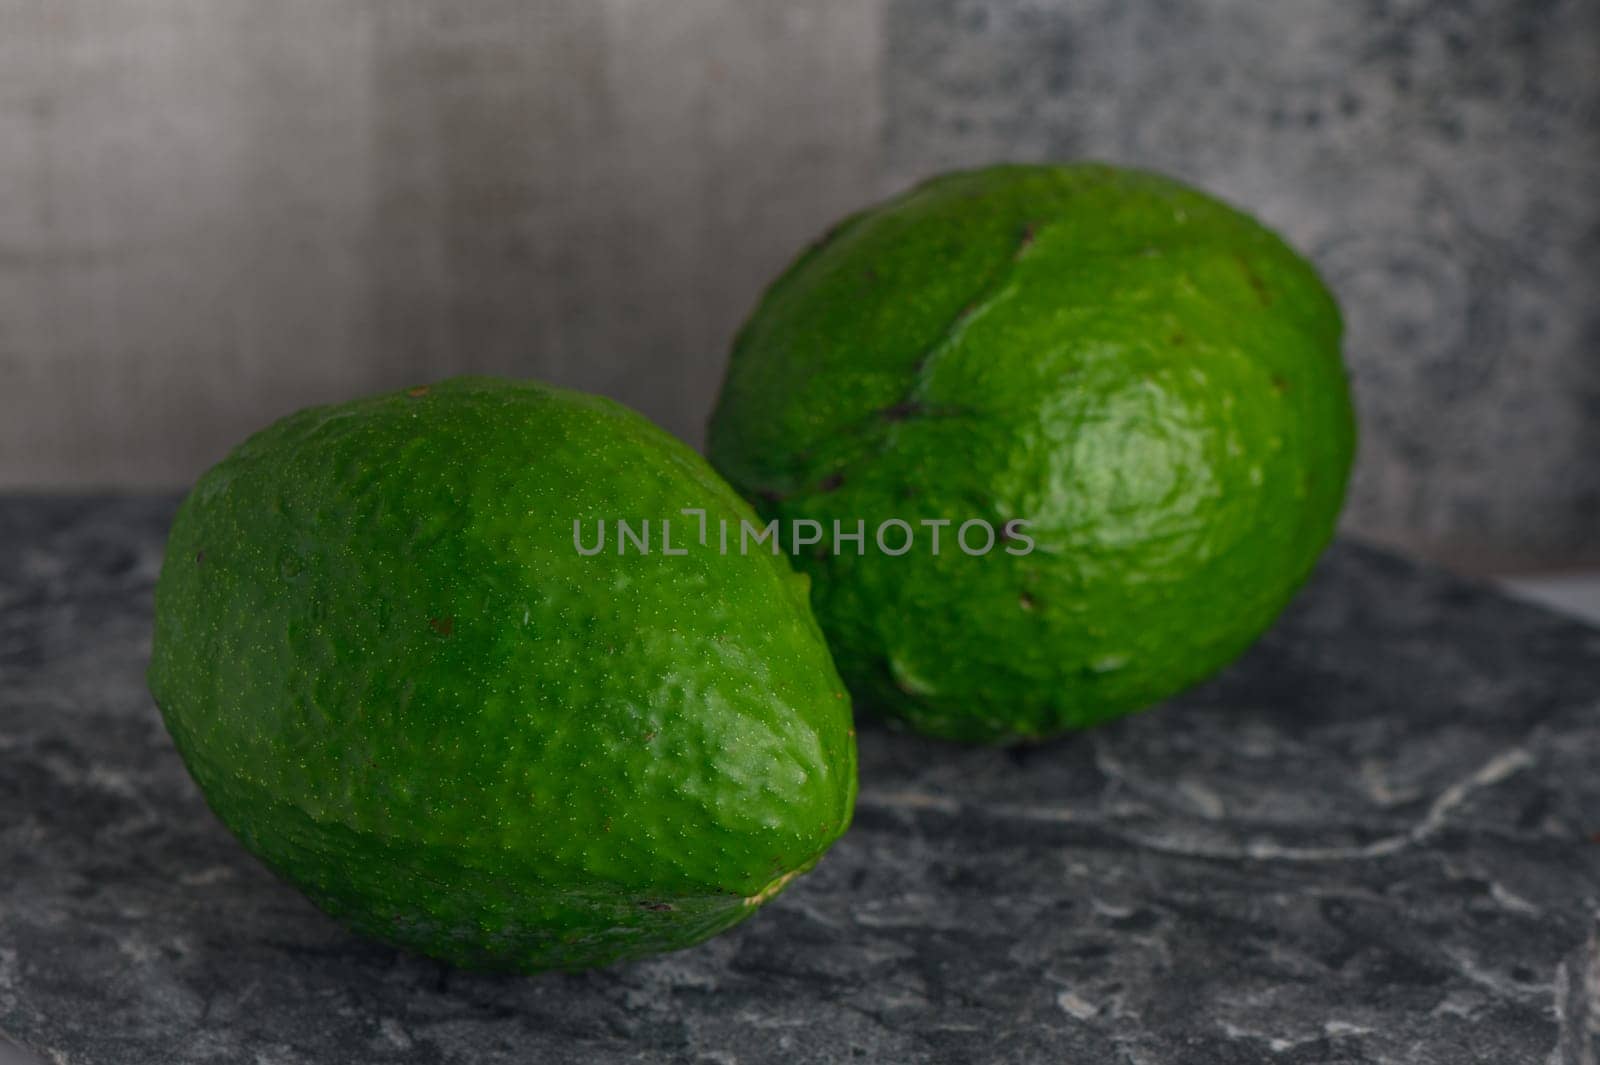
{"points": [[1145, 380], [399, 682]]}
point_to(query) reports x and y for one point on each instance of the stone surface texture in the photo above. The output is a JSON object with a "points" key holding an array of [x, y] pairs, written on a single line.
{"points": [[1376, 839]]}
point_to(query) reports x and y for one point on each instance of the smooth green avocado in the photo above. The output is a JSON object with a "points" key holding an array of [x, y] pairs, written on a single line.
{"points": [[1148, 380], [400, 683]]}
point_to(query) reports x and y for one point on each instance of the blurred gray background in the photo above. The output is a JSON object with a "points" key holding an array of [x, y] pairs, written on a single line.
{"points": [[215, 211]]}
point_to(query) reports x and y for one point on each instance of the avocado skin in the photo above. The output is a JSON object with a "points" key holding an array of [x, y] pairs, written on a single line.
{"points": [[399, 684], [1149, 376]]}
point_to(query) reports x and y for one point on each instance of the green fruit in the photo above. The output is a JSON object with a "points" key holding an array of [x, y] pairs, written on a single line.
{"points": [[399, 683], [1149, 377]]}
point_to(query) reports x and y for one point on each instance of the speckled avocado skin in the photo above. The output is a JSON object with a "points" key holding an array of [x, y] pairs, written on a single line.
{"points": [[398, 682], [1148, 376]]}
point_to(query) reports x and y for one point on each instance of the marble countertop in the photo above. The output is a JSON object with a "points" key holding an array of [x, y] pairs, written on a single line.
{"points": [[1374, 839], [1576, 593]]}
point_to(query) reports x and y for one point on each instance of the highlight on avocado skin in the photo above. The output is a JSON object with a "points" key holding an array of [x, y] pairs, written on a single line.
{"points": [[1149, 377], [395, 681]]}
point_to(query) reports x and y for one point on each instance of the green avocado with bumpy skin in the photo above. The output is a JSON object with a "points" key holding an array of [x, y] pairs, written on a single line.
{"points": [[1145, 381], [397, 679]]}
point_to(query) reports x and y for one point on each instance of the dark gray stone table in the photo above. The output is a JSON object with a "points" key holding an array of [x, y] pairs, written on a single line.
{"points": [[1376, 839]]}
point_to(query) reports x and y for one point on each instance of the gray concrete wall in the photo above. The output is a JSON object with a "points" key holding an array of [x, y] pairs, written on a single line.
{"points": [[215, 211]]}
